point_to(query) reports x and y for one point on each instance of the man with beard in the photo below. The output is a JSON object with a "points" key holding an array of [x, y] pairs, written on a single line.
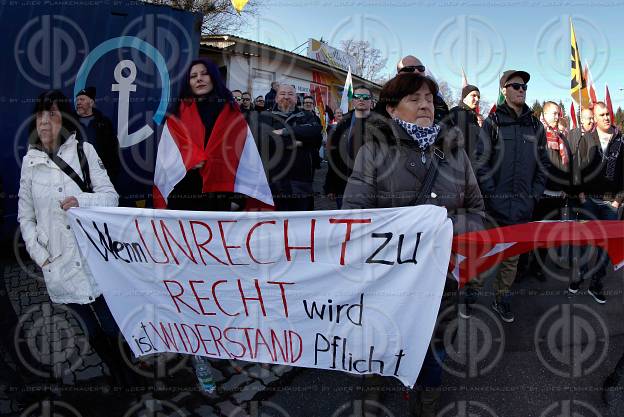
{"points": [[289, 140]]}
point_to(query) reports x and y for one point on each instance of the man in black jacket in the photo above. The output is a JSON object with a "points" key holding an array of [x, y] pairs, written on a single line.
{"points": [[465, 117], [289, 140], [601, 157], [512, 169], [98, 131], [345, 142]]}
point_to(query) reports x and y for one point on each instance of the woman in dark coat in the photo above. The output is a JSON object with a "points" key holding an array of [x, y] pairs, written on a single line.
{"points": [[389, 170]]}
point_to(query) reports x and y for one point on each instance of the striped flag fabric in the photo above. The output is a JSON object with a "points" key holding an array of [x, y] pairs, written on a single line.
{"points": [[347, 93], [609, 103], [464, 79], [590, 84], [573, 116], [578, 85], [477, 252], [231, 159]]}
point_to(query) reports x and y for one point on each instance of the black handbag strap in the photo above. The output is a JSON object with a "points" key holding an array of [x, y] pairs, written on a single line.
{"points": [[432, 173], [85, 185]]}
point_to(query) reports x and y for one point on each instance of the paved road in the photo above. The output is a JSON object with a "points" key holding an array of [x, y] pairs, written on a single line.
{"points": [[550, 363]]}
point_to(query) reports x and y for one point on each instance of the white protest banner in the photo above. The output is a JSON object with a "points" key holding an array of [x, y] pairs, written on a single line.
{"points": [[353, 290]]}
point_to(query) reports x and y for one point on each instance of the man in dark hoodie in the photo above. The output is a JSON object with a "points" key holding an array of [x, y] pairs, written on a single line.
{"points": [[98, 131], [601, 157], [465, 117], [511, 164]]}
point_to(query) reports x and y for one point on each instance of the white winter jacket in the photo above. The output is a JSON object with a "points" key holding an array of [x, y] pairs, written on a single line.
{"points": [[44, 225]]}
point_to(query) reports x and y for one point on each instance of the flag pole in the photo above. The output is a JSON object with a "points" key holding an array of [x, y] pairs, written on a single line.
{"points": [[580, 71]]}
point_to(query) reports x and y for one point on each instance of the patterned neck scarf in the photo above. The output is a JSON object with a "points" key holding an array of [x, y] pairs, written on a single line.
{"points": [[554, 140], [424, 136]]}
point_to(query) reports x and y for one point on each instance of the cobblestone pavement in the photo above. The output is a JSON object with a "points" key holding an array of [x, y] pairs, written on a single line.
{"points": [[69, 380]]}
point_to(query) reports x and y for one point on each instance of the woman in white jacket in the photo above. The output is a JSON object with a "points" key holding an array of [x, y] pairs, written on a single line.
{"points": [[46, 193]]}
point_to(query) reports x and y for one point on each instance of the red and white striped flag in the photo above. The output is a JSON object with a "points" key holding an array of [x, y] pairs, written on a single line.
{"points": [[609, 103], [590, 85], [476, 252], [573, 116], [464, 79], [231, 159]]}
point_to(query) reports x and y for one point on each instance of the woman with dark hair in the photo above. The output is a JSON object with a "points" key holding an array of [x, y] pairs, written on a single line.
{"points": [[407, 160], [203, 99], [58, 173]]}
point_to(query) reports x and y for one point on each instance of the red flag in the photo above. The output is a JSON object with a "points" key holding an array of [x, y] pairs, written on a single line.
{"points": [[464, 79], [493, 109], [476, 252], [573, 116], [231, 159], [590, 85], [609, 104]]}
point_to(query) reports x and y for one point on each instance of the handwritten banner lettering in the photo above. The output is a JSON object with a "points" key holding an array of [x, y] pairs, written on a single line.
{"points": [[353, 290]]}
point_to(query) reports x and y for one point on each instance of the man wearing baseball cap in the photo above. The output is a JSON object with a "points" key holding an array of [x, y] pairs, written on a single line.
{"points": [[97, 129], [511, 165]]}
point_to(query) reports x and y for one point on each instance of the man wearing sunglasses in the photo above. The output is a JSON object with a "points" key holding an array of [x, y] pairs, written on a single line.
{"points": [[412, 64], [246, 106], [345, 142], [511, 164]]}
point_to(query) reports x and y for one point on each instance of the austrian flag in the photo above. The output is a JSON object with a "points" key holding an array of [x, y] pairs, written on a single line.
{"points": [[231, 159]]}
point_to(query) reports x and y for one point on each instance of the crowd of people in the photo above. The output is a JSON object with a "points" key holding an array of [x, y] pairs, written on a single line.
{"points": [[404, 149]]}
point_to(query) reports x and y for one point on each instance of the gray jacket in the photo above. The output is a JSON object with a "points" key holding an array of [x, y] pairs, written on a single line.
{"points": [[512, 164], [388, 172]]}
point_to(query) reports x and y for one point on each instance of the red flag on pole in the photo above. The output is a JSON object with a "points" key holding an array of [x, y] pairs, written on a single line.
{"points": [[590, 85], [573, 116], [464, 79], [609, 104]]}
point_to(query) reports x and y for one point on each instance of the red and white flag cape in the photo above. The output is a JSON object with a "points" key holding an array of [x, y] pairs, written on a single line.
{"points": [[476, 252], [231, 159]]}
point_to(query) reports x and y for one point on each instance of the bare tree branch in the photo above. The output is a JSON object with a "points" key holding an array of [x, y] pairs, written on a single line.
{"points": [[369, 59], [219, 15]]}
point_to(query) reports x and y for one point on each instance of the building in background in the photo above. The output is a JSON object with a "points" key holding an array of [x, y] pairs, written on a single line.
{"points": [[251, 66]]}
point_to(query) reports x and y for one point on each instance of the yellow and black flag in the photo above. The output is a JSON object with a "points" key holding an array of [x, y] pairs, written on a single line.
{"points": [[578, 86]]}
